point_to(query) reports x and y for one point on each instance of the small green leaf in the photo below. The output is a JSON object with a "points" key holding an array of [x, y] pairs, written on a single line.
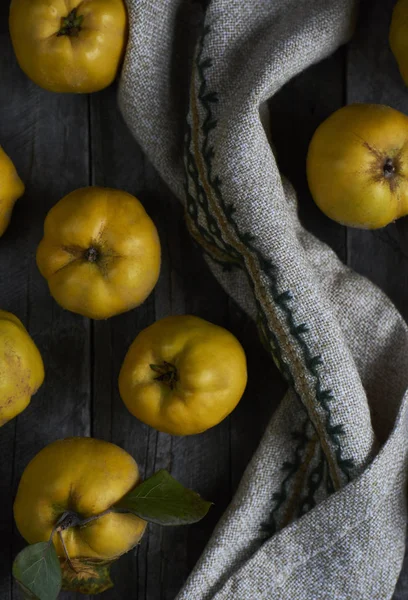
{"points": [[37, 570], [163, 500]]}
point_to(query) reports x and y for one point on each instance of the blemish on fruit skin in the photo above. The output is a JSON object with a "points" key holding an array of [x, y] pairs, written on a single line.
{"points": [[22, 375]]}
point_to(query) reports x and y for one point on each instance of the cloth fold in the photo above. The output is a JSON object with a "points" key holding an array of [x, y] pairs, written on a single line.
{"points": [[322, 503]]}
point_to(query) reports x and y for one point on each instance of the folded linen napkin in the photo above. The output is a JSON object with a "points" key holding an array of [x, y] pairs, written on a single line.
{"points": [[320, 512]]}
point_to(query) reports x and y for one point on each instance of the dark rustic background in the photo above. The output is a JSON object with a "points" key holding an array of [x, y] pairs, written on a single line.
{"points": [[62, 142]]}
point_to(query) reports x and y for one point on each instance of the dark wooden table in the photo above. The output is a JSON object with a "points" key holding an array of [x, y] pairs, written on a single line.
{"points": [[62, 142]]}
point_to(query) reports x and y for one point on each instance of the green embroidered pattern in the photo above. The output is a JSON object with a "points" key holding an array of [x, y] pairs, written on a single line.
{"points": [[316, 475], [224, 252], [291, 468], [215, 250], [314, 482]]}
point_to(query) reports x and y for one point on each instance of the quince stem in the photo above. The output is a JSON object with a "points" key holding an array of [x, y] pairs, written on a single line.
{"points": [[71, 519], [71, 25], [166, 373], [71, 566]]}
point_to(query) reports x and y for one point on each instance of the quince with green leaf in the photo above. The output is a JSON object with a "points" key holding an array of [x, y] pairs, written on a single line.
{"points": [[81, 504]]}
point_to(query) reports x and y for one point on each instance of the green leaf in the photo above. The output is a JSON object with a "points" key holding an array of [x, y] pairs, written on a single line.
{"points": [[38, 571], [163, 500]]}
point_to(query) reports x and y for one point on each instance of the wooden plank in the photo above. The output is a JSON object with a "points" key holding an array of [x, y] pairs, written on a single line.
{"points": [[13, 296], [4, 12], [372, 76], [112, 146], [47, 137]]}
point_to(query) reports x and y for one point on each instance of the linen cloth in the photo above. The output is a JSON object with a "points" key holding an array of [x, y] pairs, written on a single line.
{"points": [[321, 510]]}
